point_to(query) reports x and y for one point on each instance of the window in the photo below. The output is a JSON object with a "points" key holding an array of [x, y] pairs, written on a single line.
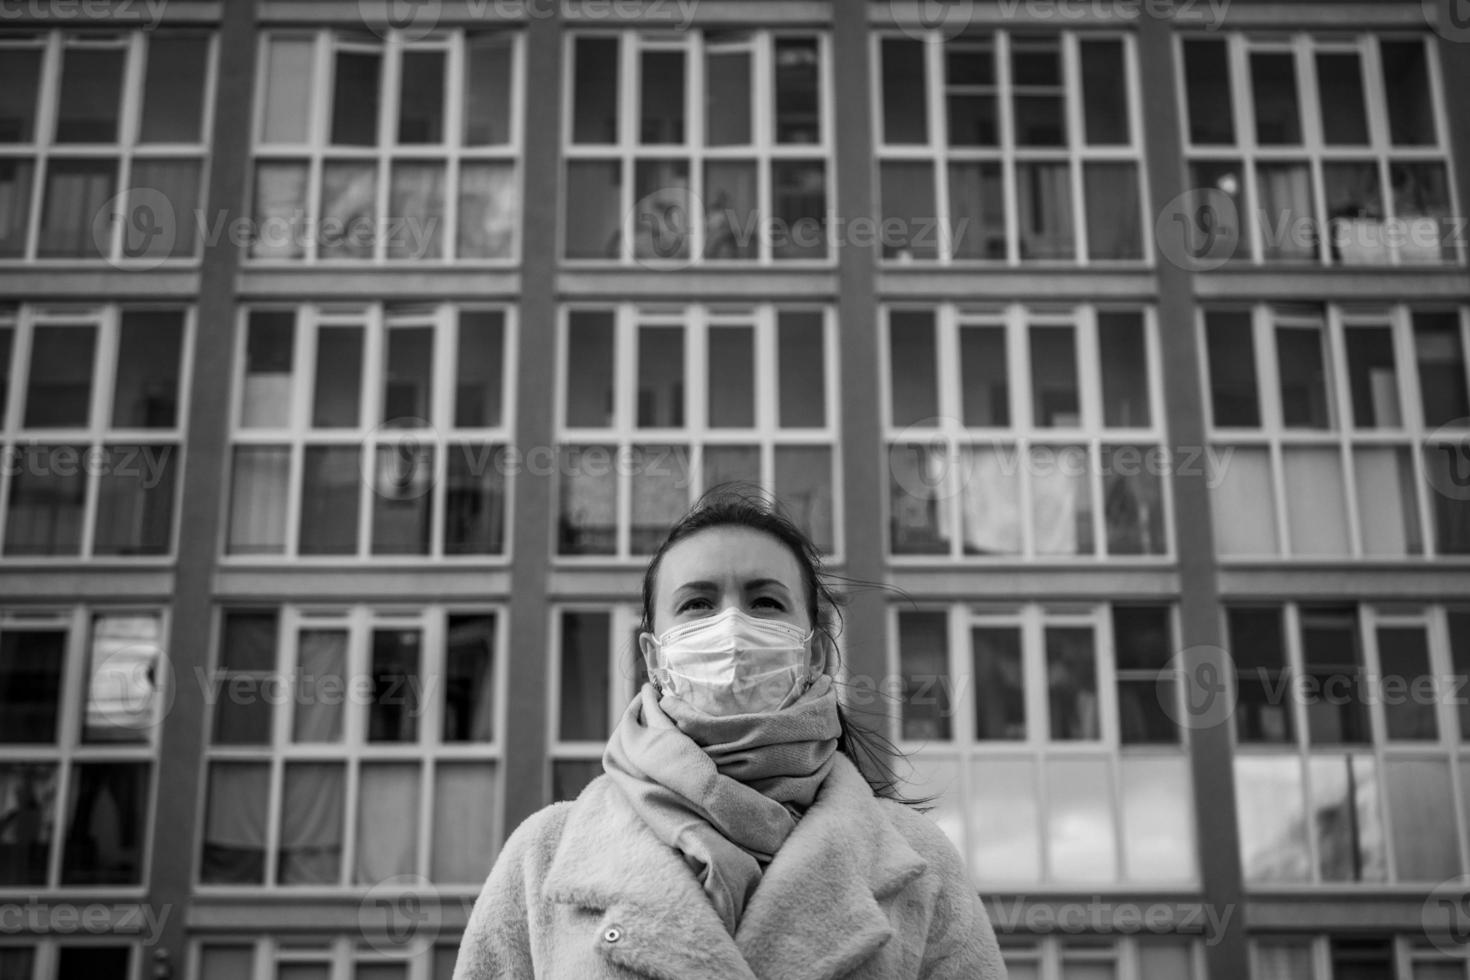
{"points": [[387, 151], [1348, 758], [1024, 434], [660, 403], [1330, 149], [598, 669], [1097, 957], [1009, 147], [82, 694], [1044, 732], [667, 177], [43, 959], [1356, 957], [384, 718], [371, 432], [1335, 431], [412, 946], [112, 167], [96, 429]]}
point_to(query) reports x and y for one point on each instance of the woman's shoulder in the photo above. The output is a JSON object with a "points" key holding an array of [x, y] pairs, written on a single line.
{"points": [[922, 833]]}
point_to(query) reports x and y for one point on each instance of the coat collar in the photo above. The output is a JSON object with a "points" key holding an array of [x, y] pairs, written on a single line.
{"points": [[814, 916]]}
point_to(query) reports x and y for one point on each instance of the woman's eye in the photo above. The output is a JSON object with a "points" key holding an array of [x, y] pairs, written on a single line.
{"points": [[770, 603], [693, 604]]}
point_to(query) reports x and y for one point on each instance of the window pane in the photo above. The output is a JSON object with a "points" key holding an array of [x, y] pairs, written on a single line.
{"points": [[589, 497], [15, 205], [469, 680], [329, 500], [1350, 845], [799, 207], [976, 211], [798, 118], [1355, 213], [408, 377], [802, 368], [421, 97], [1104, 91], [59, 394], [269, 353], [249, 641], [1158, 820], [1044, 210], [661, 79], [923, 654], [487, 90], [311, 824], [1421, 197], [235, 822], [463, 846], [227, 962], [403, 499], [1459, 633], [1234, 400], [288, 74], [1113, 227], [1002, 806], [1037, 95], [355, 98], [595, 90], [1388, 501], [971, 95], [349, 210], [909, 225], [660, 377], [1054, 391], [586, 677], [1207, 81], [593, 212], [1406, 82], [1288, 229], [904, 98], [242, 714], [387, 821], [280, 210], [173, 93], [258, 500], [913, 371], [1125, 388], [731, 213], [984, 378], [990, 500], [1257, 645], [1281, 961], [20, 73], [489, 210], [1142, 646], [474, 499], [803, 481], [1273, 82], [1000, 696], [7, 340], [920, 518], [1071, 667], [105, 830], [394, 713], [660, 487], [727, 98], [91, 93], [1133, 499], [1340, 92], [338, 391], [1441, 360], [1079, 821], [30, 684], [1218, 231], [732, 464], [321, 674], [570, 776], [416, 211], [48, 492], [135, 500], [1061, 500], [1333, 660], [73, 218], [146, 394], [479, 367], [1407, 695], [1316, 505], [1300, 364], [1272, 819], [730, 366], [28, 800], [1373, 377], [92, 962]]}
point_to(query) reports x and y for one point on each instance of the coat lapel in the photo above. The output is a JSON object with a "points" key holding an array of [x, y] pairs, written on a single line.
{"points": [[816, 913], [665, 926]]}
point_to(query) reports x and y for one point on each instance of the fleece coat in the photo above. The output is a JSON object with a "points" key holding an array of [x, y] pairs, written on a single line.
{"points": [[863, 889]]}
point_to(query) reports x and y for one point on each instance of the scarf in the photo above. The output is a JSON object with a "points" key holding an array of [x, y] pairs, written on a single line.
{"points": [[725, 792]]}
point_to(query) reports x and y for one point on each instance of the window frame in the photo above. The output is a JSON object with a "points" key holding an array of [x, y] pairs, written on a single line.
{"points": [[623, 619]]}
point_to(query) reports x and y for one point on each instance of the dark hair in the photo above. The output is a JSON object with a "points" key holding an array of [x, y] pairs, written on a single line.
{"points": [[748, 506]]}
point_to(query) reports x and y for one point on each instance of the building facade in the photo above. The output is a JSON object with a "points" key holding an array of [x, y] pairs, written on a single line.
{"points": [[354, 355]]}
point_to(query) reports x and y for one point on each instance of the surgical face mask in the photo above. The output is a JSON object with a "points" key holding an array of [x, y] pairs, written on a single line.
{"points": [[733, 663]]}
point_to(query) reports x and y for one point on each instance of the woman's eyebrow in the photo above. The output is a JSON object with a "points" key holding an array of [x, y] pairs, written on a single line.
{"points": [[764, 583], [700, 586]]}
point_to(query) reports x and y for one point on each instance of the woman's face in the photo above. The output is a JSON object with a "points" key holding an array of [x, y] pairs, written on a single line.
{"points": [[723, 567]]}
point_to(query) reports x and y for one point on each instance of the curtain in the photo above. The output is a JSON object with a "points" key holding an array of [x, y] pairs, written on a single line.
{"points": [[15, 206], [588, 500], [1286, 211], [387, 822], [1061, 505], [163, 209], [803, 480], [1044, 203], [990, 500], [1387, 507], [235, 823], [258, 500], [1242, 502], [415, 227], [321, 667], [311, 824], [349, 225], [977, 213], [1282, 961], [464, 822], [1316, 508], [73, 222], [489, 210], [731, 210], [469, 702], [1418, 794], [1113, 230], [280, 211]]}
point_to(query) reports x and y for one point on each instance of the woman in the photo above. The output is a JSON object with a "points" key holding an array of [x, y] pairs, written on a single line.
{"points": [[732, 834]]}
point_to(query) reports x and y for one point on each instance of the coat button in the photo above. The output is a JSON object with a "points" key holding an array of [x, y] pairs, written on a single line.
{"points": [[612, 934]]}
